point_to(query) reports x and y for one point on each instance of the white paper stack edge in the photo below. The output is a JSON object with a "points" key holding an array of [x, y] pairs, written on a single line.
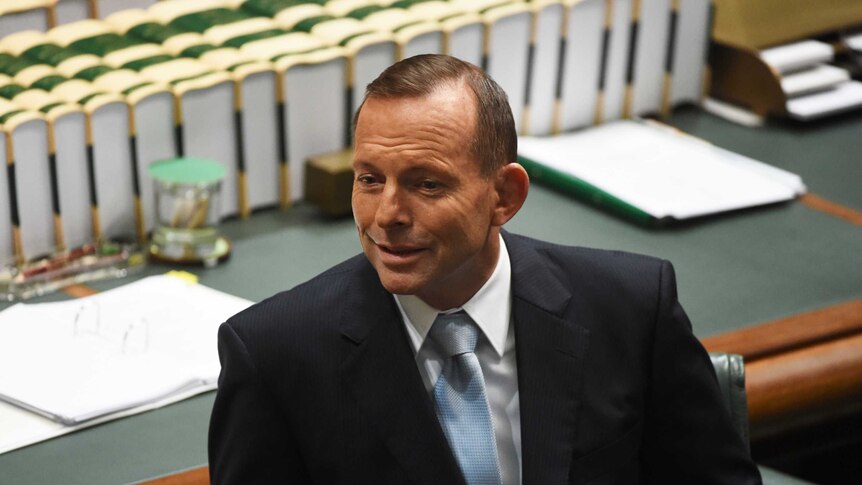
{"points": [[813, 88], [817, 78], [844, 97], [854, 41], [798, 55]]}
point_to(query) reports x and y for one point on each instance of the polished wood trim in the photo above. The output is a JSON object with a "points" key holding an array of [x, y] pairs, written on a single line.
{"points": [[79, 291], [791, 333], [819, 203], [195, 476], [805, 385]]}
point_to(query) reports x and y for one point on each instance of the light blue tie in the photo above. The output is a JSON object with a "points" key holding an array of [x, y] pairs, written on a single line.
{"points": [[461, 402]]}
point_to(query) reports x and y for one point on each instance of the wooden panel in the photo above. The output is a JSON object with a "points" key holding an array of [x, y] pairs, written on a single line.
{"points": [[804, 386], [791, 333], [762, 23]]}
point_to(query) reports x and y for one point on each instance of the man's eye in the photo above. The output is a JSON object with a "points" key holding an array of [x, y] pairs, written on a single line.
{"points": [[366, 179], [429, 184]]}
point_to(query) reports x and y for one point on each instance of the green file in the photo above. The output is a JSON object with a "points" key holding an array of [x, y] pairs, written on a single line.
{"points": [[570, 184]]}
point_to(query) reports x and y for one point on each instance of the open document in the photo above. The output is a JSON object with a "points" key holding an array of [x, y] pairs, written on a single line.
{"points": [[150, 342], [653, 173]]}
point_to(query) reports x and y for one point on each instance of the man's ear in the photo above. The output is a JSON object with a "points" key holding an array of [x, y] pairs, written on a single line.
{"points": [[512, 184]]}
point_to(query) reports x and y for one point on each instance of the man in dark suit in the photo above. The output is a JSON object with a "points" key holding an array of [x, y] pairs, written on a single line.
{"points": [[453, 352]]}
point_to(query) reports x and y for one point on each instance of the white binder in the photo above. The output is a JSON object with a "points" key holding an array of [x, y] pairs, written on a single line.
{"points": [[368, 59], [68, 11], [650, 49], [26, 137], [694, 23], [617, 60], [507, 31], [112, 164], [153, 115], [413, 35], [314, 110], [548, 17], [108, 7], [208, 126], [73, 181], [67, 127], [7, 244], [426, 38], [463, 37], [581, 64], [260, 138], [34, 15]]}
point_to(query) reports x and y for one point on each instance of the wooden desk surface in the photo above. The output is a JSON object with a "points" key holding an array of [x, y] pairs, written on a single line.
{"points": [[733, 271]]}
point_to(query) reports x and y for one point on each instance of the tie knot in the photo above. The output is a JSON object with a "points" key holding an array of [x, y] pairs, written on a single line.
{"points": [[454, 333]]}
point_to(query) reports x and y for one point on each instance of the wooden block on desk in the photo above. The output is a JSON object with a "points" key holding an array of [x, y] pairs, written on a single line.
{"points": [[329, 182]]}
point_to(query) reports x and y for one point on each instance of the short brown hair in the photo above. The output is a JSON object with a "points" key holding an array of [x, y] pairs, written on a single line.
{"points": [[495, 141]]}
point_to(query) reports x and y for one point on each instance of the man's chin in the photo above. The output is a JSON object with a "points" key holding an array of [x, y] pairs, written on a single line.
{"points": [[399, 284], [400, 289]]}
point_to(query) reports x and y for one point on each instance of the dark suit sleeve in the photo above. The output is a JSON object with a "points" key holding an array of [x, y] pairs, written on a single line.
{"points": [[249, 441], [689, 437]]}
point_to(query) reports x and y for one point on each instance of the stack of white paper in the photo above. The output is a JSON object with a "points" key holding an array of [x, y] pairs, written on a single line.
{"points": [[655, 170], [845, 96], [813, 89], [132, 346]]}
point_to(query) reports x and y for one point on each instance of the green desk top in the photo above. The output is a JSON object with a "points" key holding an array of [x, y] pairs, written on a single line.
{"points": [[733, 271]]}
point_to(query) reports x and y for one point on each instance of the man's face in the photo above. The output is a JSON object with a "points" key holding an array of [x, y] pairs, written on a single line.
{"points": [[424, 211]]}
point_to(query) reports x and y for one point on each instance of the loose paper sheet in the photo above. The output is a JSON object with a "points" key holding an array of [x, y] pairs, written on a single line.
{"points": [[146, 343]]}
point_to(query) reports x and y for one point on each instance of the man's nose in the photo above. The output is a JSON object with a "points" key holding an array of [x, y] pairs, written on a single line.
{"points": [[393, 210]]}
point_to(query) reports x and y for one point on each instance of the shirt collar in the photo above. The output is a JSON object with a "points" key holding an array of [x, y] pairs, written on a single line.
{"points": [[484, 307]]}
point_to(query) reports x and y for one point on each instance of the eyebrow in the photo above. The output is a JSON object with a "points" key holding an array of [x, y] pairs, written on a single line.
{"points": [[363, 164]]}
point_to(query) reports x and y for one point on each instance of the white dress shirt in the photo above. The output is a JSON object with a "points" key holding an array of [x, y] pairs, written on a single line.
{"points": [[491, 309]]}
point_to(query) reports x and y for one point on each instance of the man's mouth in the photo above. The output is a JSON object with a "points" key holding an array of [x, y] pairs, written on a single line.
{"points": [[397, 253], [399, 250]]}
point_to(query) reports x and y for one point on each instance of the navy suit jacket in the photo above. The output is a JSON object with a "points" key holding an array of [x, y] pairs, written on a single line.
{"points": [[319, 384]]}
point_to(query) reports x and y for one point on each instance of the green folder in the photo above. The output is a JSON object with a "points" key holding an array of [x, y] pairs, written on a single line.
{"points": [[569, 184]]}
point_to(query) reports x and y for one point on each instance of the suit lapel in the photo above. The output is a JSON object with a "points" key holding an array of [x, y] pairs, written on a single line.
{"points": [[550, 355], [380, 371]]}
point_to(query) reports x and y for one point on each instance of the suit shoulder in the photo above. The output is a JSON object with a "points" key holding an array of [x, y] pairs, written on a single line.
{"points": [[299, 305], [603, 275], [601, 260]]}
